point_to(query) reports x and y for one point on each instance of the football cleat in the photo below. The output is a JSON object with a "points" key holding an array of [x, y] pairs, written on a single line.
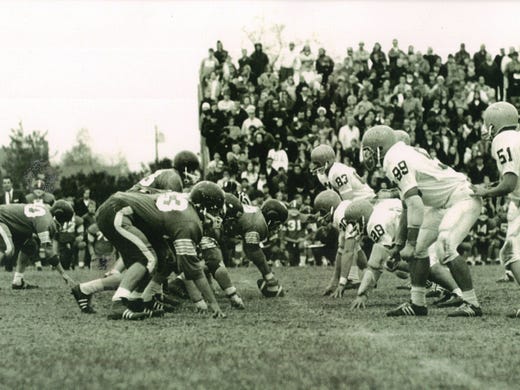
{"points": [[466, 310], [237, 302], [449, 300], [83, 300], [408, 309], [153, 309], [23, 286], [508, 277], [121, 312], [516, 314], [270, 288]]}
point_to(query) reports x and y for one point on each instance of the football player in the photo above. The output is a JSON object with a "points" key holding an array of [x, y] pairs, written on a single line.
{"points": [[253, 225], [332, 209], [383, 222], [501, 124], [136, 223], [187, 164], [342, 179], [26, 227], [451, 213], [293, 234]]}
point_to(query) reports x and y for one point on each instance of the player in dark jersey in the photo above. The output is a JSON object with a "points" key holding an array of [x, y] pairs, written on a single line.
{"points": [[293, 234], [24, 227], [136, 223], [253, 226], [159, 181], [482, 231], [71, 242]]}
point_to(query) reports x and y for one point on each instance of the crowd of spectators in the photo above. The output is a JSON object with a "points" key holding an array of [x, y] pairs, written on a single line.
{"points": [[261, 116]]}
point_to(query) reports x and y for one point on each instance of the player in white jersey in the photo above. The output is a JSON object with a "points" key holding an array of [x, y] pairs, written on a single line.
{"points": [[385, 224], [332, 210], [501, 122], [345, 181], [337, 176], [451, 213]]}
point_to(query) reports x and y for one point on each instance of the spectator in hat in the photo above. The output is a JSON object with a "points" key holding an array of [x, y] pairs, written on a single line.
{"points": [[258, 62], [322, 121]]}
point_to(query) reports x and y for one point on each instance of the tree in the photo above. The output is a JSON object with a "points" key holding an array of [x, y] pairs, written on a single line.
{"points": [[81, 157], [27, 156]]}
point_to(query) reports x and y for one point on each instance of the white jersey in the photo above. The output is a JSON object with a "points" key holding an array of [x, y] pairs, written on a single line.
{"points": [[383, 225], [346, 182], [338, 219], [412, 168], [505, 149]]}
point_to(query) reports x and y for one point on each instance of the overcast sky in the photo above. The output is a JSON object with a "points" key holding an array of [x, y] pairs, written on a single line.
{"points": [[118, 68]]}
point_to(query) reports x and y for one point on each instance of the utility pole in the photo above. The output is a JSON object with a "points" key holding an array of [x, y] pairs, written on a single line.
{"points": [[156, 144]]}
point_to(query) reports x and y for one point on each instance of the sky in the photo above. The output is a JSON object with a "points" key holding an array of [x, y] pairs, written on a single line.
{"points": [[120, 68]]}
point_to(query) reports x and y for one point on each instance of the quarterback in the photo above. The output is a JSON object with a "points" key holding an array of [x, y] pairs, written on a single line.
{"points": [[501, 122]]}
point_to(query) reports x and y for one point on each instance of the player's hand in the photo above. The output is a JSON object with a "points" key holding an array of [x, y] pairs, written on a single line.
{"points": [[328, 290], [217, 311], [407, 253], [479, 191], [359, 302], [338, 293], [386, 194], [201, 307], [69, 280]]}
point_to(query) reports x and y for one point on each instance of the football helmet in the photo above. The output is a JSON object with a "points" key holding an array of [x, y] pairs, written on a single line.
{"points": [[62, 211], [188, 166], [497, 117], [233, 209], [324, 204], [322, 156], [402, 136], [207, 198], [275, 213], [358, 213], [375, 143]]}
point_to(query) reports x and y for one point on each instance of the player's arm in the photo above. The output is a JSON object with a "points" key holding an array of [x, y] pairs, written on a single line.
{"points": [[191, 266], [415, 215], [506, 185], [348, 247], [372, 274]]}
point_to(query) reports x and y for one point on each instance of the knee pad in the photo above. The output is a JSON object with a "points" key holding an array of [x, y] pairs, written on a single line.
{"points": [[444, 250]]}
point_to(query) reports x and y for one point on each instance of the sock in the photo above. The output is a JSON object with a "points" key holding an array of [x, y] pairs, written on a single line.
{"points": [[121, 293], [302, 260], [230, 291], [91, 287], [418, 296], [18, 278], [269, 276], [38, 264], [457, 291], [134, 295], [151, 289], [353, 275], [470, 297]]}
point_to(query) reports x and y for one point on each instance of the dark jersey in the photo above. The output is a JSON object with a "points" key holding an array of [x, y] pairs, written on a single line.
{"points": [[294, 227], [167, 214], [483, 228], [69, 231], [46, 198], [102, 247], [24, 220], [159, 181], [252, 226]]}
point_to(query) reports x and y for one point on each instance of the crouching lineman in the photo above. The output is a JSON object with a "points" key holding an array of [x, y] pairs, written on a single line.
{"points": [[26, 227], [136, 223], [347, 183], [385, 224], [253, 225], [501, 123], [331, 210], [423, 181]]}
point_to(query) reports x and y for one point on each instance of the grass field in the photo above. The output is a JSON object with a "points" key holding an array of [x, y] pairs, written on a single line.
{"points": [[301, 341]]}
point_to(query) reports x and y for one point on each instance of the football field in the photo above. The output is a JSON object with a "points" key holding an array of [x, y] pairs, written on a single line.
{"points": [[301, 341]]}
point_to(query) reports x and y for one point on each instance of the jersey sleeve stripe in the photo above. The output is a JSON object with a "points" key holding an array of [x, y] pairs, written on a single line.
{"points": [[252, 238]]}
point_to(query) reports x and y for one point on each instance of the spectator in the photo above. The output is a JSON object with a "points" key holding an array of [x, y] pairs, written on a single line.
{"points": [[324, 65], [217, 174], [258, 62], [480, 56], [279, 156], [462, 55], [81, 205], [288, 61], [9, 195], [244, 60], [252, 123], [220, 54], [394, 53], [348, 132], [478, 171], [208, 65], [226, 104], [361, 55]]}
